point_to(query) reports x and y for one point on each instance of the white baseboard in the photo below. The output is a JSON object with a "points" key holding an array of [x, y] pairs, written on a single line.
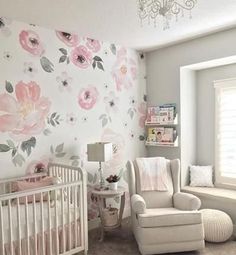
{"points": [[92, 224]]}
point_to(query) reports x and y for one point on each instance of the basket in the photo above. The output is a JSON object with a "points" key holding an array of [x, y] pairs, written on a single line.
{"points": [[110, 216]]}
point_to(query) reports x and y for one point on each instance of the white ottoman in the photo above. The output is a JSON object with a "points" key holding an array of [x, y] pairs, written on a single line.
{"points": [[218, 226]]}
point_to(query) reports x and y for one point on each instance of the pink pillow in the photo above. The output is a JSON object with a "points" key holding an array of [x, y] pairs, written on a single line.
{"points": [[26, 185]]}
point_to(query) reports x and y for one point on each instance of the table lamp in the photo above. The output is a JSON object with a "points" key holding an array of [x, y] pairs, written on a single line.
{"points": [[100, 152]]}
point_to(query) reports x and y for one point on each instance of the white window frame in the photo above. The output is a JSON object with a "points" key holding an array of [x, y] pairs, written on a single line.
{"points": [[220, 180]]}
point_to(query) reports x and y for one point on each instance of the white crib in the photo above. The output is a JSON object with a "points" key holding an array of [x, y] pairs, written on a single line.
{"points": [[51, 220]]}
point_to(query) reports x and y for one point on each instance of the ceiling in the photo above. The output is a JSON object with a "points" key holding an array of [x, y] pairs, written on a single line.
{"points": [[117, 20]]}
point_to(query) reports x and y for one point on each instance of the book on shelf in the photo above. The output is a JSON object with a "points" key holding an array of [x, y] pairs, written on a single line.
{"points": [[161, 114], [161, 135]]}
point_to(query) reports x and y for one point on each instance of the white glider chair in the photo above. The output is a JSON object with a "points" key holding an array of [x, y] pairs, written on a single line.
{"points": [[165, 222]]}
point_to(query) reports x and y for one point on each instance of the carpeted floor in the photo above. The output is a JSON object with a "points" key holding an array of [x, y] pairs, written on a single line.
{"points": [[122, 242]]}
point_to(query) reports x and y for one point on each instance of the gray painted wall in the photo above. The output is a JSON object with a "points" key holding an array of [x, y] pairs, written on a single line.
{"points": [[206, 110], [163, 71]]}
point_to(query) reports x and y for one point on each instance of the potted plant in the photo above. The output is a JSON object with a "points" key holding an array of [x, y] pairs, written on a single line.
{"points": [[113, 181]]}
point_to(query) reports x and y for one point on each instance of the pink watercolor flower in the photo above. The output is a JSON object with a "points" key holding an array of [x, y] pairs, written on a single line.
{"points": [[31, 42], [93, 45], [88, 97], [64, 82], [143, 112], [111, 102], [124, 71], [30, 69], [118, 144], [81, 57], [31, 168], [69, 39], [71, 118], [24, 116]]}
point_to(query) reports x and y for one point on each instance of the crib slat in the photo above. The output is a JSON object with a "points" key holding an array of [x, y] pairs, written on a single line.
{"points": [[81, 215], [42, 222], [49, 224], [2, 232], [27, 225], [35, 226], [75, 214], [18, 225], [68, 215], [56, 222], [10, 226], [63, 221]]}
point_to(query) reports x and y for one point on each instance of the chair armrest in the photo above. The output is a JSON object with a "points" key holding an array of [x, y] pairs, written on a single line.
{"points": [[138, 205], [185, 201]]}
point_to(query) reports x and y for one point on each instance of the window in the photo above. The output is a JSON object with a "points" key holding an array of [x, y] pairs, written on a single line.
{"points": [[225, 142]]}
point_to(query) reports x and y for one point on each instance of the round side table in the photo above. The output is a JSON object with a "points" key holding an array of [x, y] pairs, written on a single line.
{"points": [[102, 195]]}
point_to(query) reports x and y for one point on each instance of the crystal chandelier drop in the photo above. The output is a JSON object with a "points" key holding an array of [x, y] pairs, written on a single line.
{"points": [[167, 9]]}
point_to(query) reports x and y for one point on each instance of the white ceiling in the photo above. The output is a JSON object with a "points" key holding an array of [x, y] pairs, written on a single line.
{"points": [[117, 20]]}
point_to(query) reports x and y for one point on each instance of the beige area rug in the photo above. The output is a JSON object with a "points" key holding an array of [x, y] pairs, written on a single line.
{"points": [[122, 242]]}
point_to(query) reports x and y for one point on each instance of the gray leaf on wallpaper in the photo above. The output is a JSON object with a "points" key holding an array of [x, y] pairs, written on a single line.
{"points": [[47, 132], [75, 163], [90, 177], [4, 148], [131, 113], [104, 122], [60, 155], [13, 153], [18, 160], [100, 66], [94, 64], [51, 149], [97, 58], [113, 49], [59, 148], [27, 146], [63, 51], [62, 58], [9, 87], [47, 65], [74, 157], [11, 143], [102, 116]]}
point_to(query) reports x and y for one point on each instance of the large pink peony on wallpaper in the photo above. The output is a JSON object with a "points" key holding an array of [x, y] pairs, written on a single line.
{"points": [[24, 115]]}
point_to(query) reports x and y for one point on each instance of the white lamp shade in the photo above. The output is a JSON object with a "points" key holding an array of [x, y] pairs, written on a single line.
{"points": [[99, 152]]}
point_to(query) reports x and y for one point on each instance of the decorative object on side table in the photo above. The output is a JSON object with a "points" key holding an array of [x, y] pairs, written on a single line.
{"points": [[113, 181], [100, 152], [108, 215]]}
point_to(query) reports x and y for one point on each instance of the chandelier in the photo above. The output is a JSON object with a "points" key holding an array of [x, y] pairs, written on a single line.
{"points": [[167, 9]]}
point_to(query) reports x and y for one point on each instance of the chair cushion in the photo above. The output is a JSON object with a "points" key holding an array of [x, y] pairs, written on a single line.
{"points": [[163, 217]]}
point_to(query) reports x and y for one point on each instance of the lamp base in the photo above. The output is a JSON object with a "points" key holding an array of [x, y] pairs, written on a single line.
{"points": [[101, 180]]}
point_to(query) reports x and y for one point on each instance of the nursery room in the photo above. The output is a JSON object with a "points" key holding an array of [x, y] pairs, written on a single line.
{"points": [[117, 127]]}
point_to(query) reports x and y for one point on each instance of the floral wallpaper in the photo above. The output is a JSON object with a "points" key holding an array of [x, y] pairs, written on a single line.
{"points": [[60, 91]]}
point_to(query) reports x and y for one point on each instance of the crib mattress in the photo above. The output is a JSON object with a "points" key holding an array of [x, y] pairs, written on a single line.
{"points": [[64, 217]]}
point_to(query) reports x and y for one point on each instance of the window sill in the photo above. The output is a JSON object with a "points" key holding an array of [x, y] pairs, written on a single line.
{"points": [[215, 192]]}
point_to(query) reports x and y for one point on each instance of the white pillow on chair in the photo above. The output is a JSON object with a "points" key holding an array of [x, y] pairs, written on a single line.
{"points": [[201, 176]]}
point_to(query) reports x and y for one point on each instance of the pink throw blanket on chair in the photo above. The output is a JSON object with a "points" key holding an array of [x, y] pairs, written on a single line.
{"points": [[153, 174]]}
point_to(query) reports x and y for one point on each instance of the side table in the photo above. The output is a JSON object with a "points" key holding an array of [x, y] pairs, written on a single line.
{"points": [[102, 195]]}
